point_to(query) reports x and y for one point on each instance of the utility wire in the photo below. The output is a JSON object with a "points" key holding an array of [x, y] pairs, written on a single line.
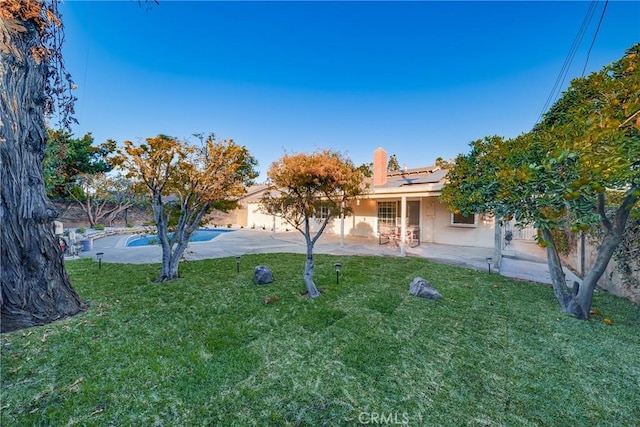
{"points": [[567, 62], [604, 9]]}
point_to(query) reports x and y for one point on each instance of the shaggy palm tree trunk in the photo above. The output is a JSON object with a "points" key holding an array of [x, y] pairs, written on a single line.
{"points": [[35, 287]]}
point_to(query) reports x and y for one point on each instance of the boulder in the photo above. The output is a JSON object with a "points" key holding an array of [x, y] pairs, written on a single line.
{"points": [[262, 275], [420, 287]]}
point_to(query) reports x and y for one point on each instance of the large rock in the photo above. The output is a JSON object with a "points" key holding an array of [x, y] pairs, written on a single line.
{"points": [[262, 275], [419, 287]]}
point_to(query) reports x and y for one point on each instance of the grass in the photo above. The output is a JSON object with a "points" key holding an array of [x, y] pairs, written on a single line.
{"points": [[207, 350]]}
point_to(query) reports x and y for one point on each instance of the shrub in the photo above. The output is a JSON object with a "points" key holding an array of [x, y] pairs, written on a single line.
{"points": [[81, 230], [98, 227]]}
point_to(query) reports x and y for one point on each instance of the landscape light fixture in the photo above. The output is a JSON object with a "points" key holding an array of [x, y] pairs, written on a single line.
{"points": [[489, 260], [337, 266], [99, 256], [238, 264]]}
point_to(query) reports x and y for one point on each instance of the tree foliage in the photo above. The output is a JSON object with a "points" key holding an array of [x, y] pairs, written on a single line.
{"points": [[184, 183], [67, 158], [312, 186], [76, 169], [582, 157], [103, 197], [393, 164]]}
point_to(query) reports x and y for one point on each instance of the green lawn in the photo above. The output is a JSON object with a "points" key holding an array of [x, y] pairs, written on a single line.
{"points": [[207, 350]]}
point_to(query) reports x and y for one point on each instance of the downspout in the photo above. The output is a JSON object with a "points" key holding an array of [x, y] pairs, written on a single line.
{"points": [[403, 226]]}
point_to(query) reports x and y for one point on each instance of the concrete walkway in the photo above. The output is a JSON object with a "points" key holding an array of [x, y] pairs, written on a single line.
{"points": [[525, 261]]}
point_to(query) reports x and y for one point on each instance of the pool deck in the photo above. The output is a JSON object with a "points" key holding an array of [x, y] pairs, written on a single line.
{"points": [[523, 260]]}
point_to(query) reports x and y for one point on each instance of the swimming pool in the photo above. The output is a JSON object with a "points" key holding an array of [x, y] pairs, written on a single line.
{"points": [[200, 235]]}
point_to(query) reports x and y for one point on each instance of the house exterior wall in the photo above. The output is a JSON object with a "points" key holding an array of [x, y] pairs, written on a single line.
{"points": [[480, 235], [435, 223], [364, 220], [612, 280], [257, 219]]}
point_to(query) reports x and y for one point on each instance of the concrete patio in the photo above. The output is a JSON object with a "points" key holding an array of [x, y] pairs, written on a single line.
{"points": [[522, 260]]}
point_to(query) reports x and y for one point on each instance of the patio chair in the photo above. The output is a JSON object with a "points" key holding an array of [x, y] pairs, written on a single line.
{"points": [[387, 234]]}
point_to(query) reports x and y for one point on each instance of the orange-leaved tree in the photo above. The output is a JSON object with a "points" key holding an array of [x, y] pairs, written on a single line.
{"points": [[307, 186], [185, 182]]}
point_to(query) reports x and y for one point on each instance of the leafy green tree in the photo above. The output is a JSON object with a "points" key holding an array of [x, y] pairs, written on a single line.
{"points": [[184, 183], [307, 186], [76, 169], [366, 169], [579, 167], [67, 158], [393, 164]]}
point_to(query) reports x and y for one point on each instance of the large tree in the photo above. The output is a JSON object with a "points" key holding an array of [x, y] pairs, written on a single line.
{"points": [[35, 287], [312, 186], [393, 164], [77, 169], [185, 182], [102, 196], [67, 158], [578, 168]]}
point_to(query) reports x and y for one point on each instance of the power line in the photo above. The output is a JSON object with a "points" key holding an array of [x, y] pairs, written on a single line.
{"points": [[569, 59], [604, 9]]}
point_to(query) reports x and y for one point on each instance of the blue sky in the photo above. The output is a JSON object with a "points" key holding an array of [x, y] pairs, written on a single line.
{"points": [[420, 79]]}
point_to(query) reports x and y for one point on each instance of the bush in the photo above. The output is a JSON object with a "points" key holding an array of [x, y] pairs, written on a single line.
{"points": [[129, 225], [81, 230], [98, 227]]}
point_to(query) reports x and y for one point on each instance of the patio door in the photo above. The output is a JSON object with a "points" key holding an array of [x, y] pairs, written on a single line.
{"points": [[413, 213]]}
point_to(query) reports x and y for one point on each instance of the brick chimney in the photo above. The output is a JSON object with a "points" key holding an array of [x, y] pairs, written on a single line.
{"points": [[379, 167]]}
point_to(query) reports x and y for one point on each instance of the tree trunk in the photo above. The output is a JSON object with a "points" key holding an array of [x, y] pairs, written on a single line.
{"points": [[35, 287], [309, 264], [564, 294], [308, 275], [577, 301], [171, 257], [169, 270], [173, 248]]}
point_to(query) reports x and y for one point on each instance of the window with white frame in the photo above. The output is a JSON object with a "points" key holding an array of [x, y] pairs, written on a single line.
{"points": [[323, 212], [387, 213], [460, 220]]}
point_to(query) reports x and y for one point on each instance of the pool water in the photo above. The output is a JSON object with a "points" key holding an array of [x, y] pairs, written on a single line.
{"points": [[200, 235]]}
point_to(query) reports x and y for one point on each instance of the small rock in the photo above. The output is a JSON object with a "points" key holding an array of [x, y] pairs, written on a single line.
{"points": [[262, 275], [419, 287]]}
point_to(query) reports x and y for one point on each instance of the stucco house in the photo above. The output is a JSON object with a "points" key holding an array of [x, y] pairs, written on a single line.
{"points": [[405, 201]]}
